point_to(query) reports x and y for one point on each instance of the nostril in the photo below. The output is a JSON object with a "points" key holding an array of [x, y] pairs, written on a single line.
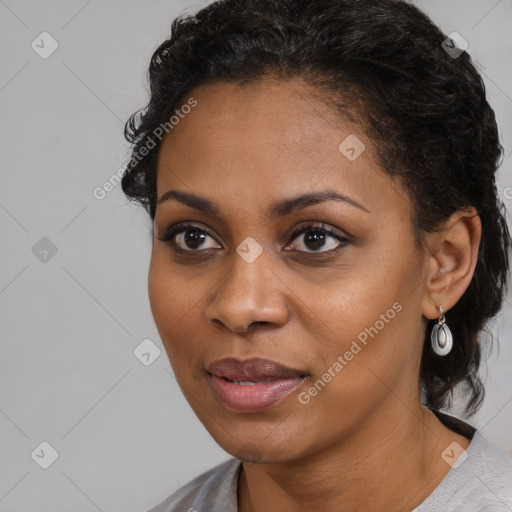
{"points": [[258, 323]]}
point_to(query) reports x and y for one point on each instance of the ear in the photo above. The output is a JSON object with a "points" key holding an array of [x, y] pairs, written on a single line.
{"points": [[451, 257]]}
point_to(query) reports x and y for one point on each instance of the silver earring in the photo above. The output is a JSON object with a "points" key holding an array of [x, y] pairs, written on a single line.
{"points": [[441, 337]]}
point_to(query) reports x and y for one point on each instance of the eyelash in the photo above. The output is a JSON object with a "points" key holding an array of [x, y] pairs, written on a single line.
{"points": [[169, 234]]}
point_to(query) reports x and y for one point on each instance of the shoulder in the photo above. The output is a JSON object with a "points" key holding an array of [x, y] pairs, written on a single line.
{"points": [[491, 470], [215, 489], [481, 479]]}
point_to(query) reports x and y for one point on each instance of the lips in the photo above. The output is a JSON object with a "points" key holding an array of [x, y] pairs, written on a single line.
{"points": [[255, 369], [254, 384]]}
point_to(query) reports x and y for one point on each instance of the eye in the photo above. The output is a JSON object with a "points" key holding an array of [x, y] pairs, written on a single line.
{"points": [[316, 237], [189, 238]]}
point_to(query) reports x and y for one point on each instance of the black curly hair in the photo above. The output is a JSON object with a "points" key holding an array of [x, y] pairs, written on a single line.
{"points": [[382, 63]]}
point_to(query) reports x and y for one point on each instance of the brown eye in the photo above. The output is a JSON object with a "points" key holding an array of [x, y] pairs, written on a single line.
{"points": [[188, 238], [318, 238]]}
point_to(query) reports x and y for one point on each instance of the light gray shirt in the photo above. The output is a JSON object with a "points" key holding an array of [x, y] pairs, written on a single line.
{"points": [[480, 481]]}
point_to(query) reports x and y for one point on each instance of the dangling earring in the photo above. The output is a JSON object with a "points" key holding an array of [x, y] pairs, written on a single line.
{"points": [[441, 337]]}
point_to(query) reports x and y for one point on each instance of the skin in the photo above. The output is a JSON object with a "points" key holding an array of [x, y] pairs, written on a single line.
{"points": [[364, 442]]}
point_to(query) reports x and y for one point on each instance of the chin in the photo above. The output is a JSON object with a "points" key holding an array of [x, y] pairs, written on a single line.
{"points": [[252, 454], [264, 450]]}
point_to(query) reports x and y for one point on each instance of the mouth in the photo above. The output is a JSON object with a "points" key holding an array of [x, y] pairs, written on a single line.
{"points": [[254, 384], [248, 382]]}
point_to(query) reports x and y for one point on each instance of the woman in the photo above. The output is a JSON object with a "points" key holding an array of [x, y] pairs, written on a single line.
{"points": [[328, 245]]}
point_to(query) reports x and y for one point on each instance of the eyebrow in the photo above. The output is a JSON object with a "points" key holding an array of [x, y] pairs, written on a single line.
{"points": [[277, 209]]}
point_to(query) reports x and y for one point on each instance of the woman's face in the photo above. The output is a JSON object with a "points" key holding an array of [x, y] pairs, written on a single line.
{"points": [[342, 309]]}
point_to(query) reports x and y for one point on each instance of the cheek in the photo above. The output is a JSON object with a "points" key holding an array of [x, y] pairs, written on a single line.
{"points": [[176, 306], [369, 320], [170, 293], [161, 292], [169, 302]]}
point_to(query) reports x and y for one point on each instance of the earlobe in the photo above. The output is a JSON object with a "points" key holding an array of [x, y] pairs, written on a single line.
{"points": [[451, 261]]}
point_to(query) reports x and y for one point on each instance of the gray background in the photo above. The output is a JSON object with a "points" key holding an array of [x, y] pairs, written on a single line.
{"points": [[125, 436]]}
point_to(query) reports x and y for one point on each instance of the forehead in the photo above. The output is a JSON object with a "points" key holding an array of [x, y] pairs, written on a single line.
{"points": [[264, 141], [271, 115]]}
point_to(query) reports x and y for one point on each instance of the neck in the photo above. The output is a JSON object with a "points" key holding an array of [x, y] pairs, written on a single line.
{"points": [[392, 463]]}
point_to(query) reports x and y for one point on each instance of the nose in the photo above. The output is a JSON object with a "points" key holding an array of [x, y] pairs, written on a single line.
{"points": [[250, 294]]}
